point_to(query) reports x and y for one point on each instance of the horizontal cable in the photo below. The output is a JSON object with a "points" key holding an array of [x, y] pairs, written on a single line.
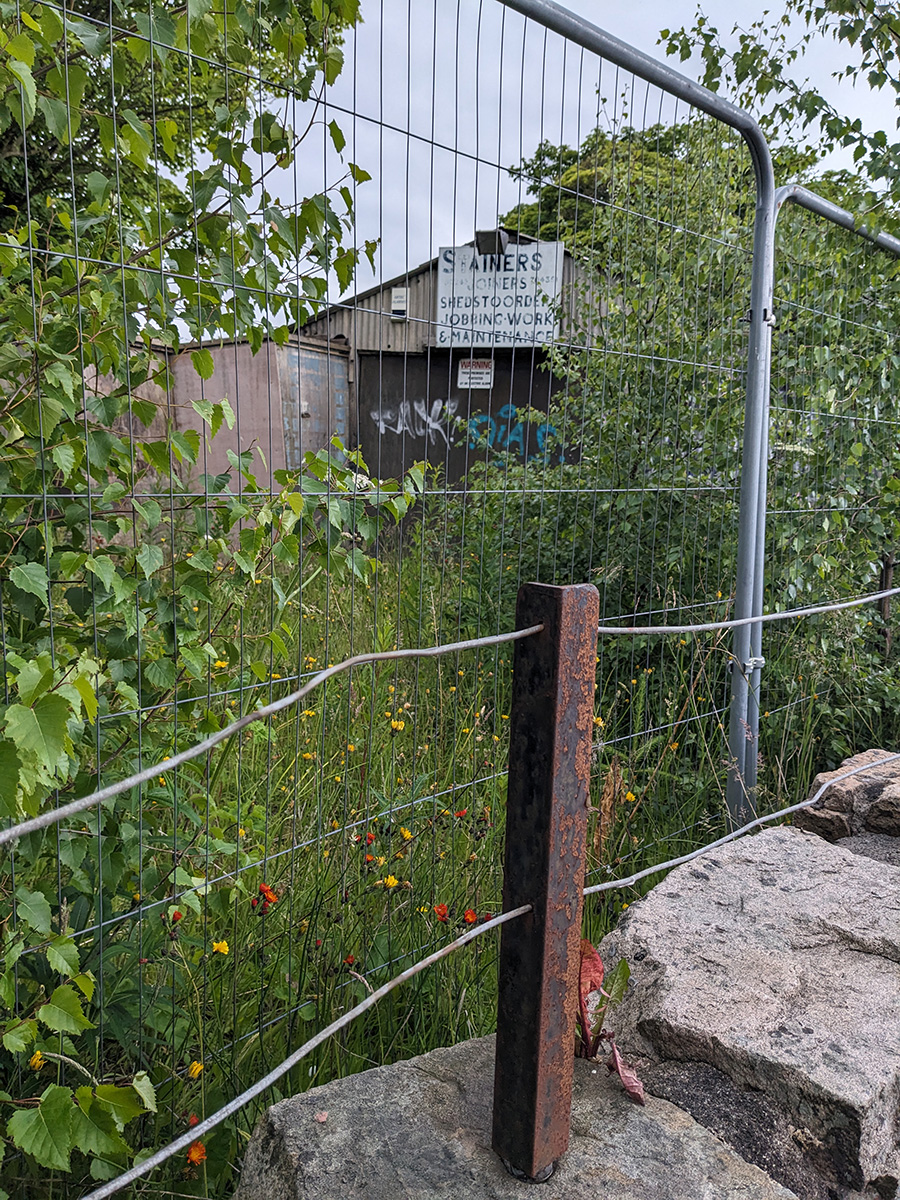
{"points": [[193, 1135], [711, 626], [114, 789], [730, 837]]}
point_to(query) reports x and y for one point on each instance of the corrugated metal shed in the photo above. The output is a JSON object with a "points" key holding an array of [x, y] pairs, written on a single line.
{"points": [[365, 319]]}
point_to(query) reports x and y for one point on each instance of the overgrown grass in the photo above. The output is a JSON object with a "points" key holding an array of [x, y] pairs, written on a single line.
{"points": [[259, 894]]}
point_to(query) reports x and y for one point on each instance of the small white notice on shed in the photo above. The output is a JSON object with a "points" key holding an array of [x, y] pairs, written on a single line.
{"points": [[498, 299], [475, 373]]}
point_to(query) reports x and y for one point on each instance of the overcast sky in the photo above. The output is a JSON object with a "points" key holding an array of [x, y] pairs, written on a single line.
{"points": [[439, 97]]}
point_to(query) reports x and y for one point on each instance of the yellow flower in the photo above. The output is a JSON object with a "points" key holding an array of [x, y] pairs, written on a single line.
{"points": [[36, 1061], [350, 746], [599, 722], [398, 726], [630, 797], [673, 745], [220, 947], [194, 1069], [137, 897], [381, 860], [242, 832], [391, 881], [337, 779], [220, 662], [307, 755], [405, 833], [391, 688]]}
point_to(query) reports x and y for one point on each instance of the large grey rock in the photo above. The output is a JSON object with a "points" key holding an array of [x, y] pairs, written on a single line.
{"points": [[776, 960], [879, 846], [420, 1130], [865, 803]]}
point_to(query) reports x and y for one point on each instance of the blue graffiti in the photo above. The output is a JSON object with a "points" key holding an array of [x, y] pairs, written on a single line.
{"points": [[507, 432]]}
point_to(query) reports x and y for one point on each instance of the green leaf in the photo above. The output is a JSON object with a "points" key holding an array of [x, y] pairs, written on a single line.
{"points": [[41, 730], [22, 73], [150, 558], [203, 362], [62, 955], [56, 114], [145, 1089], [9, 778], [337, 136], [104, 568], [64, 457], [34, 678], [21, 46], [88, 696], [19, 1036], [31, 577], [123, 1102], [85, 983], [161, 673], [45, 1132], [33, 909], [62, 1013], [93, 1127]]}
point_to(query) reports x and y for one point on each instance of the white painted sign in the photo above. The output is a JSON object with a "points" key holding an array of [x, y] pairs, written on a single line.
{"points": [[475, 373], [498, 299]]}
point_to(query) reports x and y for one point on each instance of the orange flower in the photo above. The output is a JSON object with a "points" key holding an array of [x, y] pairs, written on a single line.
{"points": [[462, 812], [440, 911], [267, 894], [470, 916], [196, 1153]]}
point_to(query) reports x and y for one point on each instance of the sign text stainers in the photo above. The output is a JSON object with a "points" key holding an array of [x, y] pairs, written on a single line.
{"points": [[498, 299]]}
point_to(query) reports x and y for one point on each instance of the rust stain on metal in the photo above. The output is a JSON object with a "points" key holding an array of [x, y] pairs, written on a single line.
{"points": [[551, 727]]}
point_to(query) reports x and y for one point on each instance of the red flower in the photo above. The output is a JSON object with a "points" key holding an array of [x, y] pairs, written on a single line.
{"points": [[265, 907], [268, 895], [176, 915], [349, 960], [196, 1153], [487, 916], [470, 916], [370, 838], [440, 911], [254, 902], [462, 812], [193, 1120], [318, 941]]}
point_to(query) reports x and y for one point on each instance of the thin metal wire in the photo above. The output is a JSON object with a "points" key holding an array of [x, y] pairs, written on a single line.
{"points": [[730, 837], [176, 760], [714, 626], [232, 1106]]}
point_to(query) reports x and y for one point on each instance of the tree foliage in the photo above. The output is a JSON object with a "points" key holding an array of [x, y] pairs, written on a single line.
{"points": [[762, 64], [136, 214]]}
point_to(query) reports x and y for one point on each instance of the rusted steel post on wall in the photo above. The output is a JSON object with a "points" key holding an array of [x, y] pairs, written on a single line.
{"points": [[551, 726]]}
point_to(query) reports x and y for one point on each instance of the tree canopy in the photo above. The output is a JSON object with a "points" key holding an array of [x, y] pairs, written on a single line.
{"points": [[763, 64]]}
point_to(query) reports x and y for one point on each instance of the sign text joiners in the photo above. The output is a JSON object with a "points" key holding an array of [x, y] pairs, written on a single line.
{"points": [[498, 299]]}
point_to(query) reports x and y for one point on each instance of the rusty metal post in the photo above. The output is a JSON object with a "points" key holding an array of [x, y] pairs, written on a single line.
{"points": [[551, 725]]}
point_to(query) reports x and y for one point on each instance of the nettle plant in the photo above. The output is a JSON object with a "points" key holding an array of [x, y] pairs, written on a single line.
{"points": [[120, 579]]}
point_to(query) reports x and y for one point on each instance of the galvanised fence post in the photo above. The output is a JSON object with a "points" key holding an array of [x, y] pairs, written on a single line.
{"points": [[551, 724]]}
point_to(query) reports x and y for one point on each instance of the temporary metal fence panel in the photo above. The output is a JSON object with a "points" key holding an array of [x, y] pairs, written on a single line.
{"points": [[828, 685]]}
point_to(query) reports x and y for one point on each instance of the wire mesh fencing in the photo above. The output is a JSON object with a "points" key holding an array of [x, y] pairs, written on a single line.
{"points": [[321, 336], [831, 525]]}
